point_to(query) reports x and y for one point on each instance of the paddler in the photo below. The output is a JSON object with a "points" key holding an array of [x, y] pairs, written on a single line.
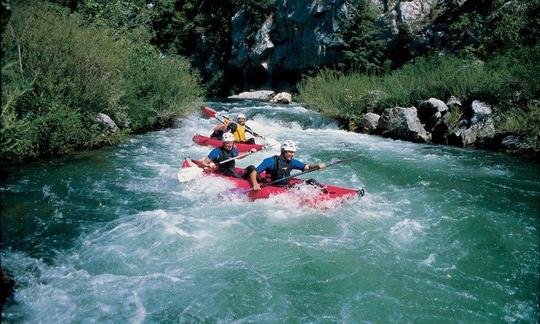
{"points": [[280, 166], [240, 133], [225, 152], [219, 130]]}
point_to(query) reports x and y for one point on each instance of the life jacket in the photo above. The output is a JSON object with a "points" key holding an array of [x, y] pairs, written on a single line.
{"points": [[282, 169], [240, 134], [224, 155]]}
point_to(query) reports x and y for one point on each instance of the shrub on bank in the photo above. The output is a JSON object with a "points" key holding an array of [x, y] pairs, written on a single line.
{"points": [[509, 82], [58, 73]]}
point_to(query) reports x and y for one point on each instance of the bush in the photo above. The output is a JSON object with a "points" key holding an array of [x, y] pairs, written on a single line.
{"points": [[58, 72], [497, 82]]}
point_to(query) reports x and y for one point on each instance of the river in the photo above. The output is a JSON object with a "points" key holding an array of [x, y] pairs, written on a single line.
{"points": [[442, 235]]}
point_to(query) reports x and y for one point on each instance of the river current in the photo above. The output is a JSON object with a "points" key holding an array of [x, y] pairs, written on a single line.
{"points": [[442, 235]]}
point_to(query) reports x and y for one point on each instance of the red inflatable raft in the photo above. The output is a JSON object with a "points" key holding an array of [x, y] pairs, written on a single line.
{"points": [[205, 140], [320, 192]]}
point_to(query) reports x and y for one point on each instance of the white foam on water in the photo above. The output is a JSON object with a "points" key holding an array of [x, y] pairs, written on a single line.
{"points": [[406, 231]]}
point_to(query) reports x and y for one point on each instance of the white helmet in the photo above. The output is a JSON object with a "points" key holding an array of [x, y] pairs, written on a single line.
{"points": [[228, 137], [288, 146], [241, 116]]}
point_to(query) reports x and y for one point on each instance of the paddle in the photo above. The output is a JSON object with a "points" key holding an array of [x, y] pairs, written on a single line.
{"points": [[333, 162], [189, 172], [213, 114]]}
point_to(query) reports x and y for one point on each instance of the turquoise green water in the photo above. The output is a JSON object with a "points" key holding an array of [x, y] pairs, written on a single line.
{"points": [[442, 235]]}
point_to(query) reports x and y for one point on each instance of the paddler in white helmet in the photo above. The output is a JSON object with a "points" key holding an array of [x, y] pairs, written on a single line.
{"points": [[240, 133], [280, 166], [223, 153]]}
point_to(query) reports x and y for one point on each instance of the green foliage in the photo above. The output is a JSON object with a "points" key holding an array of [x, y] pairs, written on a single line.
{"points": [[501, 82], [186, 27], [59, 71], [158, 90], [496, 26], [364, 49], [524, 121]]}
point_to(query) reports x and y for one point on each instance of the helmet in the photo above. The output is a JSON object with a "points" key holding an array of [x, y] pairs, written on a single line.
{"points": [[241, 116], [228, 137], [289, 146]]}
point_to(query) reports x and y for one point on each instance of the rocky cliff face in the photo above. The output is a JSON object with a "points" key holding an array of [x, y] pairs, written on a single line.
{"points": [[305, 34]]}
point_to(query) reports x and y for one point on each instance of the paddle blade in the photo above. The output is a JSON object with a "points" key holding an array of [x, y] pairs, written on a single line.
{"points": [[189, 173], [208, 111]]}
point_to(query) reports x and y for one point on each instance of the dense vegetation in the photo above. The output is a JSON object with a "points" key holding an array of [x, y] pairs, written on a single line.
{"points": [[59, 71], [65, 61], [492, 55]]}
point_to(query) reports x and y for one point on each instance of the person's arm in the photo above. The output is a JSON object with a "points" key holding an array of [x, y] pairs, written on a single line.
{"points": [[266, 164], [253, 178], [311, 166], [241, 156], [208, 162], [219, 127]]}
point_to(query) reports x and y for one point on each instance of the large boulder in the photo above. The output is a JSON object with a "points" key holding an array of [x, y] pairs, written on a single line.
{"points": [[264, 95], [478, 111], [430, 111], [282, 97], [480, 134], [402, 123], [368, 122], [107, 124]]}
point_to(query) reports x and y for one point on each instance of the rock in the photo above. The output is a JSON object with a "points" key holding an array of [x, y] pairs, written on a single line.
{"points": [[402, 123], [453, 102], [441, 130], [430, 111], [368, 122], [478, 111], [480, 134], [254, 95], [519, 143], [415, 11], [282, 97], [107, 124]]}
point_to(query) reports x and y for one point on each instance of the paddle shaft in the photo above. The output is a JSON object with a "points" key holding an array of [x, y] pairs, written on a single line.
{"points": [[304, 172], [236, 157]]}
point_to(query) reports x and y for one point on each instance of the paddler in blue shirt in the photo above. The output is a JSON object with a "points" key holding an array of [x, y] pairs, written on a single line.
{"points": [[226, 152], [280, 166]]}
